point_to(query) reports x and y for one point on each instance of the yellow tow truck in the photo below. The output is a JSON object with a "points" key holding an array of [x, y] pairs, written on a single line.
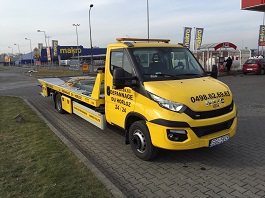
{"points": [[154, 90]]}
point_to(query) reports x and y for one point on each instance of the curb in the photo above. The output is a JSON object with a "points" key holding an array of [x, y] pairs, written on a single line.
{"points": [[233, 73], [109, 185]]}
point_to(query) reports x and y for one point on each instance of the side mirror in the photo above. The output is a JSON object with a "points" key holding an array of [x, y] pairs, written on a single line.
{"points": [[214, 71], [119, 78]]}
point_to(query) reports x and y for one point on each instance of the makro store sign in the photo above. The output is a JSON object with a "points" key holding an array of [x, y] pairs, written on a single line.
{"points": [[70, 50]]}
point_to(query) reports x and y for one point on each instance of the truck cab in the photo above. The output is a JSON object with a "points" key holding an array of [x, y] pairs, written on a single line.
{"points": [[163, 98]]}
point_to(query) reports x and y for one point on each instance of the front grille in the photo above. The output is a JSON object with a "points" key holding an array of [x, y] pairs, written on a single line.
{"points": [[209, 114], [206, 130]]}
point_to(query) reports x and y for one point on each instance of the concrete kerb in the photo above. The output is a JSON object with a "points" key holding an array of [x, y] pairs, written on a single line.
{"points": [[232, 73], [109, 185]]}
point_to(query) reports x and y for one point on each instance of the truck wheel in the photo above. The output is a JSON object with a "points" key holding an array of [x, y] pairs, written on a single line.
{"points": [[58, 103], [140, 141]]}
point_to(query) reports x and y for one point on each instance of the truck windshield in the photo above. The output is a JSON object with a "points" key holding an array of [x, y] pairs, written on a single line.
{"points": [[165, 63]]}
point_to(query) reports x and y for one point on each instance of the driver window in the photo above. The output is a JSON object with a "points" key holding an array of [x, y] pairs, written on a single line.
{"points": [[120, 59], [116, 60], [127, 66]]}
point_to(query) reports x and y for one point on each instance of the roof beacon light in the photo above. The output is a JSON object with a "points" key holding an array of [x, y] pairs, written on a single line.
{"points": [[141, 39]]}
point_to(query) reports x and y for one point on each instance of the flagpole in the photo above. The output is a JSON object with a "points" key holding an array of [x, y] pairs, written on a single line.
{"points": [[263, 39], [147, 6]]}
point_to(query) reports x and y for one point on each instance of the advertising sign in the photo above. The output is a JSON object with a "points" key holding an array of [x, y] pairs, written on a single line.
{"points": [[73, 50], [198, 38], [187, 37], [48, 54], [36, 62], [54, 46], [40, 46], [7, 59], [85, 68], [36, 52], [262, 35]]}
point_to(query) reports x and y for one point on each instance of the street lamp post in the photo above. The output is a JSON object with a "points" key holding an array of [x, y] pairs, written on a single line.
{"points": [[30, 50], [262, 52], [76, 25], [18, 52], [194, 41], [48, 37], [91, 46], [44, 36], [45, 43]]}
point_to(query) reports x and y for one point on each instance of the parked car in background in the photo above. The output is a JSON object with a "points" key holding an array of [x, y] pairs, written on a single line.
{"points": [[64, 62], [256, 66], [74, 64]]}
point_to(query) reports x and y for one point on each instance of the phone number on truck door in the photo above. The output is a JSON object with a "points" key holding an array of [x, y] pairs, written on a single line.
{"points": [[203, 97]]}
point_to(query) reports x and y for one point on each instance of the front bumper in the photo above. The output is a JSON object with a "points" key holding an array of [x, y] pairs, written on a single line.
{"points": [[251, 70], [159, 136]]}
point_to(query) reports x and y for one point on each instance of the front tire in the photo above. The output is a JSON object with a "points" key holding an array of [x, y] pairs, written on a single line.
{"points": [[140, 141]]}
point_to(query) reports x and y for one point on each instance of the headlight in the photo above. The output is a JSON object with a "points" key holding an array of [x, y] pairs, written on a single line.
{"points": [[173, 106]]}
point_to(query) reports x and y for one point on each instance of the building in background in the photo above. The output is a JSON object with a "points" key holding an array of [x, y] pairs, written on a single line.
{"points": [[71, 52]]}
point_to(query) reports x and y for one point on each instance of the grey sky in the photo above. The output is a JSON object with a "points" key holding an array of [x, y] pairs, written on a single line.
{"points": [[110, 19]]}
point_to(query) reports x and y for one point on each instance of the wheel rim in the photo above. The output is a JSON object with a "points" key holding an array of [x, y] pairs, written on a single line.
{"points": [[139, 141]]}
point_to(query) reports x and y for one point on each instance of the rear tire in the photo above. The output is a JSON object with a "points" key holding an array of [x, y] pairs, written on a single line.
{"points": [[58, 103], [261, 72], [140, 141]]}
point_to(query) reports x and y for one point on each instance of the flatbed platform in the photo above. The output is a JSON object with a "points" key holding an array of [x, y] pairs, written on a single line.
{"points": [[80, 88]]}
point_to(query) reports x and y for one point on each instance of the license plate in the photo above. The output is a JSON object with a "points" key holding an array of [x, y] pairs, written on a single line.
{"points": [[249, 69], [219, 140]]}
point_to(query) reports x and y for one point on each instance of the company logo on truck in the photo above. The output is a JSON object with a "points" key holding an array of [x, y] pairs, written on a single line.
{"points": [[87, 114], [125, 94], [214, 103]]}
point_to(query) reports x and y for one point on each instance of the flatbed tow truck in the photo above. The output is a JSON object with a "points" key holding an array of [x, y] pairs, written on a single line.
{"points": [[156, 92]]}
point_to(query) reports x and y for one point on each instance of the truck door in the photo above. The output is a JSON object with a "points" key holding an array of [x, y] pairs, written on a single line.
{"points": [[119, 102]]}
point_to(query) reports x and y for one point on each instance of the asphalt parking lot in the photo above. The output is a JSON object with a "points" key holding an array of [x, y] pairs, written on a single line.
{"points": [[234, 169]]}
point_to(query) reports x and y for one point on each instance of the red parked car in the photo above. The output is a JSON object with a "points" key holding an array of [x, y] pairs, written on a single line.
{"points": [[256, 66]]}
